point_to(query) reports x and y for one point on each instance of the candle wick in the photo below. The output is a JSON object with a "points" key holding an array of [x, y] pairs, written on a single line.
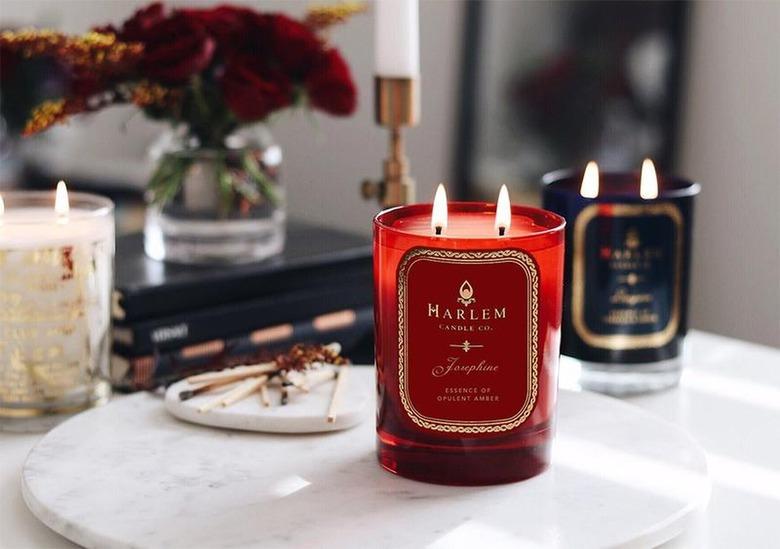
{"points": [[501, 231], [438, 230]]}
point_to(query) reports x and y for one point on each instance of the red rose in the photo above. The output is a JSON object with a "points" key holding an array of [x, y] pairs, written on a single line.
{"points": [[283, 42], [84, 85], [294, 46], [175, 49], [137, 28], [175, 46], [252, 90], [9, 60], [232, 27], [330, 86]]}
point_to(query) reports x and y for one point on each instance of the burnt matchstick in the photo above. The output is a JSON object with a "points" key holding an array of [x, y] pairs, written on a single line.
{"points": [[187, 394]]}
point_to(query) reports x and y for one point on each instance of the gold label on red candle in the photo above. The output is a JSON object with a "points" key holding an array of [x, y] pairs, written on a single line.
{"points": [[468, 339], [626, 294]]}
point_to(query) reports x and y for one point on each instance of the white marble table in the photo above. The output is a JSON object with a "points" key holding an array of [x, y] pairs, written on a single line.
{"points": [[729, 401]]}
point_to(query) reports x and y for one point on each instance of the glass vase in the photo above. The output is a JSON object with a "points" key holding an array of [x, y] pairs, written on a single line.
{"points": [[216, 204]]}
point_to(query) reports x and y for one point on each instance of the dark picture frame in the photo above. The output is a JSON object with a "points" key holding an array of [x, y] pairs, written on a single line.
{"points": [[618, 69]]}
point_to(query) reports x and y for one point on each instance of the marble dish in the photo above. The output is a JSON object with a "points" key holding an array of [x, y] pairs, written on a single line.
{"points": [[304, 412]]}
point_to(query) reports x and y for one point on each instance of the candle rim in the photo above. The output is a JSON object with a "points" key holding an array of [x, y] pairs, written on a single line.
{"points": [[556, 222], [83, 206], [668, 186]]}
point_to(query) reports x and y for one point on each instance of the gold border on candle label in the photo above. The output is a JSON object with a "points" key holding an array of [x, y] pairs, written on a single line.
{"points": [[532, 365], [619, 342]]}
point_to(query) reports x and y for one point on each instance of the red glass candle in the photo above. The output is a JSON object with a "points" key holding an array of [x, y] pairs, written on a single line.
{"points": [[467, 341]]}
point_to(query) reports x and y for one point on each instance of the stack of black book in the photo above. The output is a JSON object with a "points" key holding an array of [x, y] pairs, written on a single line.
{"points": [[171, 320]]}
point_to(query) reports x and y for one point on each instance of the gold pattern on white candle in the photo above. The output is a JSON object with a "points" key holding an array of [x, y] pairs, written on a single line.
{"points": [[45, 323]]}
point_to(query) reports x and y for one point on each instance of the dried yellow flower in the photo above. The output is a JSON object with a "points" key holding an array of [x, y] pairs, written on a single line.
{"points": [[322, 17], [95, 51], [149, 94], [46, 115]]}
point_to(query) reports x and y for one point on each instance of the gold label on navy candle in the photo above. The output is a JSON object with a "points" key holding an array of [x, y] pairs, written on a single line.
{"points": [[626, 270], [468, 339]]}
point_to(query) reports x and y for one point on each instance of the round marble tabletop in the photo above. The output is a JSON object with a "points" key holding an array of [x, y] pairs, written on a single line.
{"points": [[130, 475]]}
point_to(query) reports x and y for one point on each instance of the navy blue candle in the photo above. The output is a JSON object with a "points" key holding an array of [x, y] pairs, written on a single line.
{"points": [[625, 309]]}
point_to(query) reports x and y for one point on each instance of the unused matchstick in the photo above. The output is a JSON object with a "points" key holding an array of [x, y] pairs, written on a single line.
{"points": [[240, 392], [239, 372], [264, 395], [211, 404], [248, 387], [338, 393]]}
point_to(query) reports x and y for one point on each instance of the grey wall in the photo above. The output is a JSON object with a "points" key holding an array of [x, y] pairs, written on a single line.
{"points": [[731, 143]]}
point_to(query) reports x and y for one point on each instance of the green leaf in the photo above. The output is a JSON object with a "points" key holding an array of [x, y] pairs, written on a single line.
{"points": [[226, 187], [265, 184], [167, 179]]}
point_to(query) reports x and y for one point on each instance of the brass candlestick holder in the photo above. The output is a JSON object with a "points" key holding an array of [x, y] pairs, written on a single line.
{"points": [[397, 105]]}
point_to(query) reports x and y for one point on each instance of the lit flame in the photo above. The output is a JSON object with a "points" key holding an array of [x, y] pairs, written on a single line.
{"points": [[590, 181], [61, 204], [439, 214], [503, 211], [2, 205], [648, 182]]}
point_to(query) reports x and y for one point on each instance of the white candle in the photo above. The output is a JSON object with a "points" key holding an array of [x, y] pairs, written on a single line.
{"points": [[397, 38], [56, 275], [29, 228]]}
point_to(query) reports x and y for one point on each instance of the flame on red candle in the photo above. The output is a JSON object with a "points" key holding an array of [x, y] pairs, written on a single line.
{"points": [[439, 213], [503, 211], [648, 182], [590, 181]]}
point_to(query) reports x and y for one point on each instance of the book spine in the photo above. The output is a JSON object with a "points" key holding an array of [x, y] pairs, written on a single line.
{"points": [[348, 326], [131, 305], [169, 333]]}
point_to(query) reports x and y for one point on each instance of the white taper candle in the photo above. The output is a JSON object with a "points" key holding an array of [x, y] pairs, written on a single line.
{"points": [[397, 38]]}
